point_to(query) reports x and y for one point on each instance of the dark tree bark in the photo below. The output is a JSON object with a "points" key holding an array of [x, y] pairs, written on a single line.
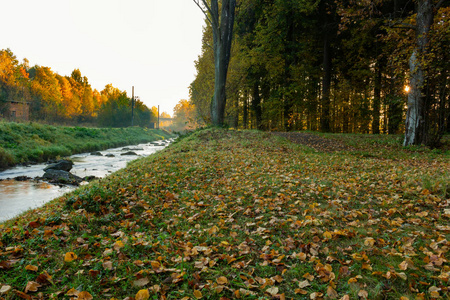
{"points": [[416, 131], [326, 85], [256, 105], [377, 98], [222, 21]]}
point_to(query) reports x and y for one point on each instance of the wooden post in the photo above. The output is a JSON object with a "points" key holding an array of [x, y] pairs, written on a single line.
{"points": [[132, 106]]}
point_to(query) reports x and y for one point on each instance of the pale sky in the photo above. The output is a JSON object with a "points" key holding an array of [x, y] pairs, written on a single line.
{"points": [[148, 44]]}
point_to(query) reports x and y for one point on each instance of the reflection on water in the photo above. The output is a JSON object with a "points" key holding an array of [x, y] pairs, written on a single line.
{"points": [[19, 196]]}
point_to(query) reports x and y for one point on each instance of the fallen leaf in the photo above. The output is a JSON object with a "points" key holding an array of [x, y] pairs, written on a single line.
{"points": [[141, 282], [5, 289], [273, 290], [331, 293], [70, 256], [32, 286], [107, 265], [363, 294], [222, 280], [198, 294], [84, 296], [72, 292], [31, 268], [304, 284], [142, 295]]}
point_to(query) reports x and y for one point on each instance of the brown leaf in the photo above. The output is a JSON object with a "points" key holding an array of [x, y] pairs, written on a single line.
{"points": [[23, 295], [44, 278], [332, 294], [363, 294], [72, 292], [141, 282], [107, 265], [32, 286]]}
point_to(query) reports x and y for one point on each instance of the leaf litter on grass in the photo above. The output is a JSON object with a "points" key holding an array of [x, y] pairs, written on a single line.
{"points": [[238, 215]]}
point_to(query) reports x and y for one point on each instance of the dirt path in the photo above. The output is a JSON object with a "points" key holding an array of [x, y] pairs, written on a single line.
{"points": [[314, 141]]}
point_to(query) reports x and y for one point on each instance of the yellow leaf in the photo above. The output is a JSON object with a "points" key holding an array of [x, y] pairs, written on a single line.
{"points": [[70, 256], [403, 266], [198, 294], [118, 245], [142, 295], [155, 264], [85, 296], [369, 242], [222, 280], [328, 235], [31, 268], [404, 298]]}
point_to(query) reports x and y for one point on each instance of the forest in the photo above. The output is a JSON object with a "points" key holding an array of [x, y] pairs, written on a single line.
{"points": [[69, 100], [331, 66]]}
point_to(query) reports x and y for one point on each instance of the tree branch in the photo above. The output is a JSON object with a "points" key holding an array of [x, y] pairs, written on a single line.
{"points": [[203, 11], [439, 4]]}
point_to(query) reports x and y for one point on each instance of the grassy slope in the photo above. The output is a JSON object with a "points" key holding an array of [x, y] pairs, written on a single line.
{"points": [[33, 142], [242, 215]]}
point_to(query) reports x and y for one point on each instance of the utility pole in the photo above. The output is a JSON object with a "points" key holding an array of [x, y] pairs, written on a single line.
{"points": [[132, 106], [158, 116]]}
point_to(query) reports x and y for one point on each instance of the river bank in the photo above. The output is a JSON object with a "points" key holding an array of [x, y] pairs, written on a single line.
{"points": [[29, 143], [23, 188], [242, 215]]}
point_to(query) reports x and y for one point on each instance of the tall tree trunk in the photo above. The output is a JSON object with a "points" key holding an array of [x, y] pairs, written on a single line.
{"points": [[256, 105], [222, 24], [377, 99], [326, 85], [416, 129]]}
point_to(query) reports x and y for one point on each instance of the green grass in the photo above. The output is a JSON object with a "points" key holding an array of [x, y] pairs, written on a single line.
{"points": [[257, 210], [34, 142]]}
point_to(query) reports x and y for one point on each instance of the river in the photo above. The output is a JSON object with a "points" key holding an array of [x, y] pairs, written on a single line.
{"points": [[19, 196]]}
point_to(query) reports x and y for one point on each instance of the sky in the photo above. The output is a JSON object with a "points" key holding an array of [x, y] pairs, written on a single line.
{"points": [[148, 44]]}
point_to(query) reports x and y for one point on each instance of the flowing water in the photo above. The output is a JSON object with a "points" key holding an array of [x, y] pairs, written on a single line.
{"points": [[19, 196]]}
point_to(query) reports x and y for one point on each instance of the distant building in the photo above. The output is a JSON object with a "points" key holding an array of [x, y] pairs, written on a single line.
{"points": [[17, 111]]}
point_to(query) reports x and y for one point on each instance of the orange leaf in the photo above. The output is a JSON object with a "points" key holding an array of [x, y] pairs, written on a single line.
{"points": [[198, 294], [70, 256], [222, 280], [85, 296], [31, 268], [142, 295]]}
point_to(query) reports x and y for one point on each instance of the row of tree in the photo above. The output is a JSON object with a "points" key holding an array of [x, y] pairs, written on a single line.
{"points": [[332, 65], [66, 99]]}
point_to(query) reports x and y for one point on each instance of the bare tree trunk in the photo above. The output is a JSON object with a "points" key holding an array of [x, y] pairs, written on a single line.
{"points": [[415, 126]]}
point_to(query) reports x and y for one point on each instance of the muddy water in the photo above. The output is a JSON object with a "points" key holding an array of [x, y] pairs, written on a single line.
{"points": [[19, 196]]}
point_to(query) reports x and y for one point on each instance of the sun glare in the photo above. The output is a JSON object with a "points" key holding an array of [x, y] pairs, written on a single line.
{"points": [[407, 88]]}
